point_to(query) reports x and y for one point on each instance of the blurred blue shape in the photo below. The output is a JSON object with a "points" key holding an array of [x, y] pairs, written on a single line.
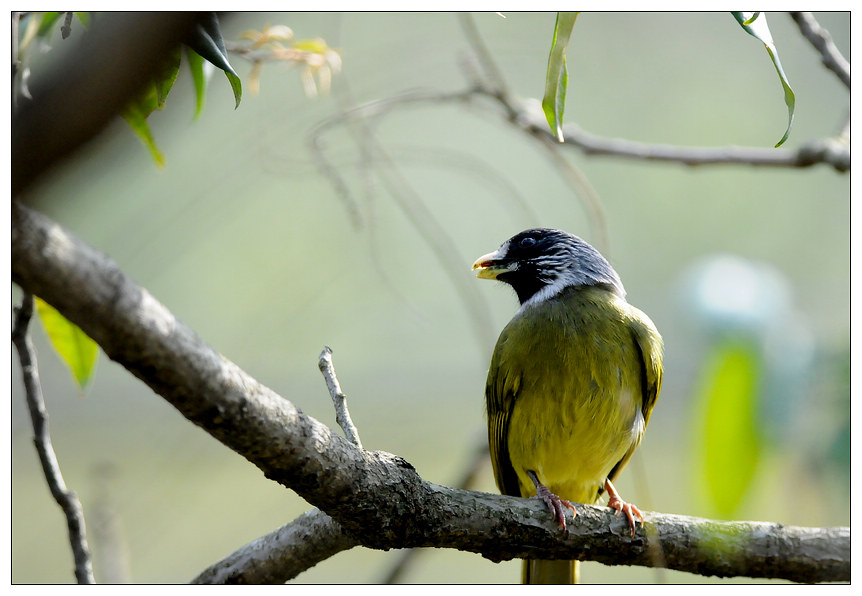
{"points": [[728, 296]]}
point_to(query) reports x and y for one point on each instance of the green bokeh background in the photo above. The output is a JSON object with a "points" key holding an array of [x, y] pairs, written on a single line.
{"points": [[246, 242]]}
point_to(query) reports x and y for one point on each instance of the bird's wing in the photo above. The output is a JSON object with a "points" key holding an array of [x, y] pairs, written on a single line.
{"points": [[649, 344], [500, 393]]}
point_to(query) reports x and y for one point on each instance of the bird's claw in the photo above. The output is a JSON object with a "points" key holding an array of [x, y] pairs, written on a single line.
{"points": [[555, 504], [631, 511]]}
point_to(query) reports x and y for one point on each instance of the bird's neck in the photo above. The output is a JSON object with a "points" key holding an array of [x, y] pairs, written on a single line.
{"points": [[553, 290]]}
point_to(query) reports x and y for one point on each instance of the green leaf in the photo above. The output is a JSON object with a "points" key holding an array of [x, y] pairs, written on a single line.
{"points": [[207, 41], [168, 77], [153, 98], [235, 85], [557, 79], [730, 441], [84, 17], [754, 23], [76, 349], [136, 115], [46, 26], [196, 66]]}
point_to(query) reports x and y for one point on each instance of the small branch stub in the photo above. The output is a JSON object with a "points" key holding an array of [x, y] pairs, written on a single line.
{"points": [[339, 400]]}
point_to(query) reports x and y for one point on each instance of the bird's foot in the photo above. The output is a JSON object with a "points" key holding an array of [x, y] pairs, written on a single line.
{"points": [[633, 514], [555, 504]]}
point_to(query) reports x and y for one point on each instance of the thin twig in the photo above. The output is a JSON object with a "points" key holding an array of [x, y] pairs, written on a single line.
{"points": [[822, 41], [66, 29], [339, 400], [829, 151], [66, 498]]}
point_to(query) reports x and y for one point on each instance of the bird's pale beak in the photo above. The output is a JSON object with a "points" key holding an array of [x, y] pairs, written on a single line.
{"points": [[488, 266]]}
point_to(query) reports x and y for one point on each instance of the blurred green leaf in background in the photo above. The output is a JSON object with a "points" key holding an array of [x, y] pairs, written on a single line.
{"points": [[730, 443], [77, 350]]}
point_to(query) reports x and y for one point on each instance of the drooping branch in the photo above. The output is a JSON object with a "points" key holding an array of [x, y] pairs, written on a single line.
{"points": [[377, 498], [66, 499]]}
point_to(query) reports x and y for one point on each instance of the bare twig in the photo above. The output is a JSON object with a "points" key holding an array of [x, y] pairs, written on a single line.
{"points": [[827, 151], [822, 41], [66, 498], [339, 400], [66, 28]]}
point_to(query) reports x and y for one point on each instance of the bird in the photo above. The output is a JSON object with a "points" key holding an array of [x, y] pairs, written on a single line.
{"points": [[572, 381]]}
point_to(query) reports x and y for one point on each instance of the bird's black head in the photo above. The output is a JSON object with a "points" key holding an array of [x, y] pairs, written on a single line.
{"points": [[540, 262]]}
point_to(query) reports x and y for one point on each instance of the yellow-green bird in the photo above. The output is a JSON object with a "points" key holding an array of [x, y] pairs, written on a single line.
{"points": [[572, 382]]}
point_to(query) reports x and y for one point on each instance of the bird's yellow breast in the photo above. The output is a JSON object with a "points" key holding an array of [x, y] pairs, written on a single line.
{"points": [[565, 388]]}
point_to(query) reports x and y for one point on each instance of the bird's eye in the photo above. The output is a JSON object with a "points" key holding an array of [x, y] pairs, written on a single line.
{"points": [[527, 242]]}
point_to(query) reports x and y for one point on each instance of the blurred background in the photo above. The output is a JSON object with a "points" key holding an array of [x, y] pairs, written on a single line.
{"points": [[745, 271]]}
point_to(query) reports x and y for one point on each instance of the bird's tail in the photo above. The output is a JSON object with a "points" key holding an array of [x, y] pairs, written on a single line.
{"points": [[549, 572]]}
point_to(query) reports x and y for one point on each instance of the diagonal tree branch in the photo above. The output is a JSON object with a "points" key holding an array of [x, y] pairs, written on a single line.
{"points": [[66, 499], [377, 498], [822, 41]]}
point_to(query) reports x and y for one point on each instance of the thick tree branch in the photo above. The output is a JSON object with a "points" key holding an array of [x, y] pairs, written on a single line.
{"points": [[66, 499], [377, 498]]}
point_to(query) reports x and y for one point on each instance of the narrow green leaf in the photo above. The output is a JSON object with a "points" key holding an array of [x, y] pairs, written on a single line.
{"points": [[136, 115], [730, 447], [77, 350], [196, 66], [754, 23], [153, 98], [236, 86], [557, 79], [167, 77], [207, 41]]}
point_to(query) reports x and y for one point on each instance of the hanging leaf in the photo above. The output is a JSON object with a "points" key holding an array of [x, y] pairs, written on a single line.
{"points": [[153, 98], [754, 23], [207, 41], [199, 79], [557, 79], [730, 441], [136, 115], [168, 76], [77, 350]]}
